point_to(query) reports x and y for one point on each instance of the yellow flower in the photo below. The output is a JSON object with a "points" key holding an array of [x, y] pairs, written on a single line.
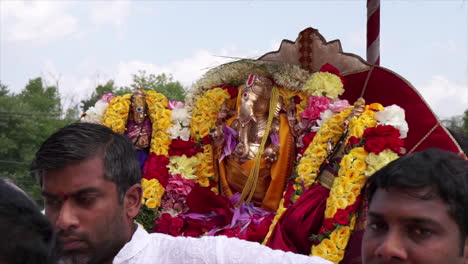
{"points": [[158, 191], [204, 182], [352, 174], [359, 153], [324, 84], [341, 236], [329, 245], [341, 203], [355, 188], [183, 166], [330, 211], [318, 151], [148, 192], [337, 190], [319, 251], [359, 165], [374, 107], [350, 197], [376, 162], [151, 183], [153, 203], [346, 162]]}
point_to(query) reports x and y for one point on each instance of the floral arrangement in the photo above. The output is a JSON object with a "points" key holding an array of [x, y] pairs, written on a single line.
{"points": [[369, 146], [204, 115], [95, 113]]}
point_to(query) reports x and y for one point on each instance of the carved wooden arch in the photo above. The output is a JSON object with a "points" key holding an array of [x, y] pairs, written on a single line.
{"points": [[311, 51]]}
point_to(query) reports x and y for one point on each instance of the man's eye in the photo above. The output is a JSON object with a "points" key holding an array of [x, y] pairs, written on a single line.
{"points": [[53, 203], [421, 233], [377, 226], [86, 200]]}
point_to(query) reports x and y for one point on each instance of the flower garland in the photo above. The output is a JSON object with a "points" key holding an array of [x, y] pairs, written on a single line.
{"points": [[204, 116], [316, 153], [355, 167], [116, 116], [160, 117], [309, 164], [95, 113]]}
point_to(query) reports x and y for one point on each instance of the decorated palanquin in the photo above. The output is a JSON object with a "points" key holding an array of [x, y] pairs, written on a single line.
{"points": [[275, 150]]}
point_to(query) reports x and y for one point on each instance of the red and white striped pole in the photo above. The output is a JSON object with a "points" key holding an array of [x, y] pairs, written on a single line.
{"points": [[373, 32]]}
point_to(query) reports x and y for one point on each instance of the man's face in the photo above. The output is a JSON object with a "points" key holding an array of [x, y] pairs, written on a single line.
{"points": [[406, 229], [84, 209]]}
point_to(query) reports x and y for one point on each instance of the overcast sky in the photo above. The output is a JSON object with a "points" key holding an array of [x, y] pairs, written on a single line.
{"points": [[84, 43]]}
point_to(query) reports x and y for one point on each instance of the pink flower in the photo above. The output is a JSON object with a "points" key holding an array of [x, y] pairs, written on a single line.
{"points": [[174, 104], [107, 97], [174, 202], [179, 185], [339, 105], [317, 104]]}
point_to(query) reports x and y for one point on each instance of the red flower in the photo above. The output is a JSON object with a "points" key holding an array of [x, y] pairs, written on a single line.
{"points": [[206, 140], [380, 138], [156, 168], [306, 140], [167, 224], [203, 200], [181, 147], [351, 209], [341, 217], [331, 69], [328, 225], [353, 141]]}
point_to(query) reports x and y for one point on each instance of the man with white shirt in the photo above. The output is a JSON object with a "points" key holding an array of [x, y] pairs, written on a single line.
{"points": [[90, 178]]}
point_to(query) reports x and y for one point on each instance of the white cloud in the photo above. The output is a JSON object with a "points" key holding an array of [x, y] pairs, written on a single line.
{"points": [[110, 12], [36, 20], [187, 70], [446, 98]]}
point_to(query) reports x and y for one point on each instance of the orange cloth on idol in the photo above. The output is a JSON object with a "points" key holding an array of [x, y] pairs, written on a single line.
{"points": [[279, 171]]}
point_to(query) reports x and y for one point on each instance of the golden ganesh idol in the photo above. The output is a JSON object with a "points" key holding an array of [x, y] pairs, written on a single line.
{"points": [[261, 162]]}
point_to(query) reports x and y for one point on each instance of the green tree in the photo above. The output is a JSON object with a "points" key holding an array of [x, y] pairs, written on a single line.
{"points": [[26, 120], [162, 83]]}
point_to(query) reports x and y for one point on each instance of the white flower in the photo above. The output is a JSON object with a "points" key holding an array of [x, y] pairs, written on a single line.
{"points": [[324, 116], [393, 115], [95, 113], [180, 121]]}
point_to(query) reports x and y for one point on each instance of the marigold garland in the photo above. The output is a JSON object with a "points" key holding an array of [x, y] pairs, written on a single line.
{"points": [[204, 116], [116, 117], [350, 180], [309, 165], [116, 114]]}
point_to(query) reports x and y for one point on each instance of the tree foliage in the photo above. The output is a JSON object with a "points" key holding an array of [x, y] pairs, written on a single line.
{"points": [[162, 83], [26, 120]]}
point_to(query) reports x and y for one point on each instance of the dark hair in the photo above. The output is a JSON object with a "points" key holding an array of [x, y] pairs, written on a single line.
{"points": [[84, 141], [443, 170], [26, 236]]}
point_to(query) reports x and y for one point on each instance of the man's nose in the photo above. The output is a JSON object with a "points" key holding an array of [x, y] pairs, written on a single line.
{"points": [[392, 248], [67, 218]]}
